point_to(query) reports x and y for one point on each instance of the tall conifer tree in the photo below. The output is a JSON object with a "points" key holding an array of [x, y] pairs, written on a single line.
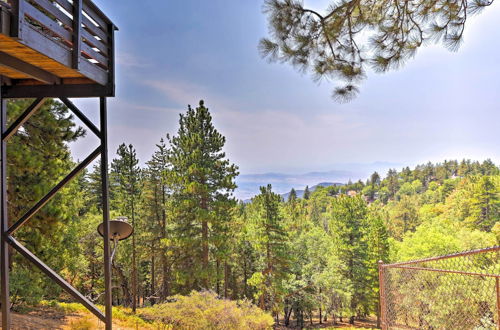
{"points": [[272, 242], [348, 227], [157, 193], [126, 174], [307, 193], [203, 182], [292, 196]]}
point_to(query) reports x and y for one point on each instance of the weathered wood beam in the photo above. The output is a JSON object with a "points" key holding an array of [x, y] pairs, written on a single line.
{"points": [[77, 34], [77, 90], [28, 69]]}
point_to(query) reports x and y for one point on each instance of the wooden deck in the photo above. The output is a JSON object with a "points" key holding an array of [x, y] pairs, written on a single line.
{"points": [[56, 46]]}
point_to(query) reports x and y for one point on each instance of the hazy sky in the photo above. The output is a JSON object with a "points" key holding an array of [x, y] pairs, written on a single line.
{"points": [[441, 105]]}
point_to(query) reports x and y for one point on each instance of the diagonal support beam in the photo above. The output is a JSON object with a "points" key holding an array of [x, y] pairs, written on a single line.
{"points": [[28, 69], [23, 118], [55, 277], [54, 190], [81, 116]]}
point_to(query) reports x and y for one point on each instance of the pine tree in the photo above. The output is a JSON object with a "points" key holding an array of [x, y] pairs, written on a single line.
{"points": [[333, 44], [307, 193], [392, 182], [485, 204], [292, 196], [38, 157], [271, 241], [377, 238], [203, 182], [375, 179], [348, 227], [126, 177], [155, 198], [93, 187]]}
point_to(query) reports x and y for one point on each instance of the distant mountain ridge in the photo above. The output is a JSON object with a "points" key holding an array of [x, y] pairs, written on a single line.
{"points": [[300, 193], [248, 184]]}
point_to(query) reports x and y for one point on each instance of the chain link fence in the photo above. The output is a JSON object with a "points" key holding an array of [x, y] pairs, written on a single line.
{"points": [[457, 291]]}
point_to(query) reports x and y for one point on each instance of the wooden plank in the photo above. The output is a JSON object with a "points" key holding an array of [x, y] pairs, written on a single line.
{"points": [[98, 12], [64, 81], [94, 30], [91, 90], [12, 74], [66, 5], [62, 55], [49, 54], [93, 42], [53, 10], [46, 46], [89, 52], [33, 71], [94, 72], [34, 57], [94, 16], [44, 20]]}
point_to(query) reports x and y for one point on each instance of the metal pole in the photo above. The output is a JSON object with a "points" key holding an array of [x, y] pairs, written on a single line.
{"points": [[4, 249], [56, 277], [498, 302], [105, 213]]}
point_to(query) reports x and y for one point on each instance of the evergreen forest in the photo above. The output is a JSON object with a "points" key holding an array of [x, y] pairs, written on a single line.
{"points": [[304, 260]]}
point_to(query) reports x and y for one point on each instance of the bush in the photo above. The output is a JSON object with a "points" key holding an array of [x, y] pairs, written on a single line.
{"points": [[203, 310]]}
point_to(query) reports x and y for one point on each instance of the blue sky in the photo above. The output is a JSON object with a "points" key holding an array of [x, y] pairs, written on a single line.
{"points": [[440, 105]]}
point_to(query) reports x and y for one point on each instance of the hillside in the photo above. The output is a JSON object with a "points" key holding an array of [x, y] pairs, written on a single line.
{"points": [[300, 192], [248, 184]]}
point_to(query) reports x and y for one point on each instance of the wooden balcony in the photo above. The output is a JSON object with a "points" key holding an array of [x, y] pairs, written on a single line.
{"points": [[55, 48]]}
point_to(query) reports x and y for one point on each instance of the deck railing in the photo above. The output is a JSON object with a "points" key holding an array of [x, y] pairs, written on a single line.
{"points": [[81, 35], [458, 291]]}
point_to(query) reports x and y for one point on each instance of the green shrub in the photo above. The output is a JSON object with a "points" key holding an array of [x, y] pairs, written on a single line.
{"points": [[82, 324], [203, 310], [26, 287]]}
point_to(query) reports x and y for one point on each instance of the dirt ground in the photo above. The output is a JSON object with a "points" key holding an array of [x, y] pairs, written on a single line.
{"points": [[363, 324], [54, 320], [49, 319], [42, 319]]}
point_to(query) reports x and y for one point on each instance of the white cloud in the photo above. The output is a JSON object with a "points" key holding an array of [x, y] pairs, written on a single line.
{"points": [[271, 139], [129, 60]]}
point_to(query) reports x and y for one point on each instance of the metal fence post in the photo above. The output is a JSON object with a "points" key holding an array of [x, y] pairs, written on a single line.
{"points": [[381, 304], [498, 302], [413, 293]]}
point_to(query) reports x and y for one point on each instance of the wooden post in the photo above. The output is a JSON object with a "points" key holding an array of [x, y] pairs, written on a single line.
{"points": [[4, 249], [111, 59], [77, 34], [18, 20]]}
